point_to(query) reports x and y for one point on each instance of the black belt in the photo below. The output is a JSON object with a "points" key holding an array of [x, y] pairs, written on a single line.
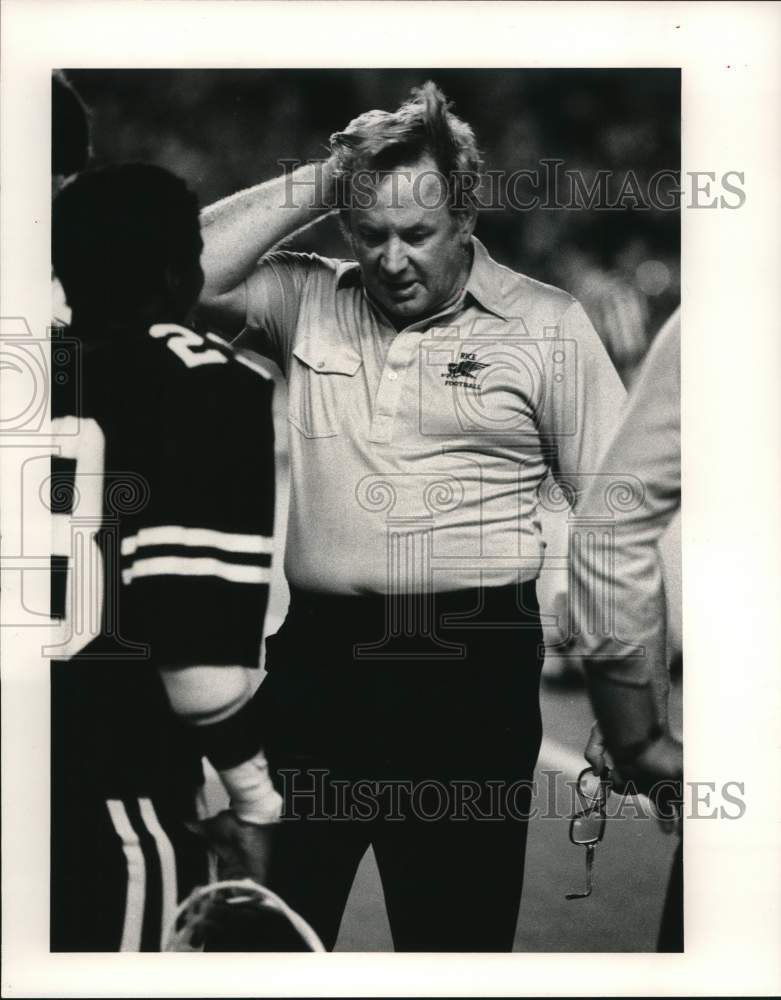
{"points": [[511, 603]]}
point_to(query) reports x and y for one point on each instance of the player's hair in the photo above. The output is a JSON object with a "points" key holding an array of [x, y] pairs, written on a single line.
{"points": [[126, 239], [70, 128], [378, 141]]}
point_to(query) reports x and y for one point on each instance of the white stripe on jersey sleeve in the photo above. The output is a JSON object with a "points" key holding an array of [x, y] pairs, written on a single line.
{"points": [[172, 534], [192, 566]]}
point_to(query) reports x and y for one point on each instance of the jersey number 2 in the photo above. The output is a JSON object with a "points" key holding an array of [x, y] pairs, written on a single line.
{"points": [[183, 341]]}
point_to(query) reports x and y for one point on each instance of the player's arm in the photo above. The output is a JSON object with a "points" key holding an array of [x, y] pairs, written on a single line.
{"points": [[240, 229], [198, 567], [217, 702]]}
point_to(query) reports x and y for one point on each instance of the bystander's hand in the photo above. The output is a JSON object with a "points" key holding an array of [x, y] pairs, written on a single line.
{"points": [[657, 773], [596, 751]]}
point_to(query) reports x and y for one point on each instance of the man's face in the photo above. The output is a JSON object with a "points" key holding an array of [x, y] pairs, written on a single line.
{"points": [[411, 249]]}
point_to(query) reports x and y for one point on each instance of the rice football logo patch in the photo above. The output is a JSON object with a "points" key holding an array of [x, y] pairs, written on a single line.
{"points": [[464, 372]]}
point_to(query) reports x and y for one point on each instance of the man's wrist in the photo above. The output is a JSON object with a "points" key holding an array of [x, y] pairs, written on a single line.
{"points": [[627, 713], [630, 752]]}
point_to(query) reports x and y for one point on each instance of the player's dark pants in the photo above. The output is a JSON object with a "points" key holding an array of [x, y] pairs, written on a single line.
{"points": [[119, 869], [421, 744], [121, 854]]}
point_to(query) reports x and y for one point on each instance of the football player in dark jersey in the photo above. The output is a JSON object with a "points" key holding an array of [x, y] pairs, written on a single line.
{"points": [[162, 494]]}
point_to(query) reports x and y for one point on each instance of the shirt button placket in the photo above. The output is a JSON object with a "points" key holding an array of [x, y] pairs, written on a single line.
{"points": [[388, 393]]}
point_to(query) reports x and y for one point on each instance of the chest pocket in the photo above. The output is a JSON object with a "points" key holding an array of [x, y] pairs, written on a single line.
{"points": [[482, 391], [319, 384]]}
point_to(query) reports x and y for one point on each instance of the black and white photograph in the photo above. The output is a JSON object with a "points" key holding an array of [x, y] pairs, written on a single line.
{"points": [[451, 368], [355, 522]]}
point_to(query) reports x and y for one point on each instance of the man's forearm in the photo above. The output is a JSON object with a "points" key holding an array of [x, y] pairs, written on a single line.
{"points": [[629, 579], [241, 228], [627, 714]]}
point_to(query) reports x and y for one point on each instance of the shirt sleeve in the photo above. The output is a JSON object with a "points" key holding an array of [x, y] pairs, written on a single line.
{"points": [[274, 291], [583, 397], [630, 504], [196, 571]]}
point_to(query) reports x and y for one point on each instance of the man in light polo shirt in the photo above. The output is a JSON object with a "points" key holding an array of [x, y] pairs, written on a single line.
{"points": [[431, 391]]}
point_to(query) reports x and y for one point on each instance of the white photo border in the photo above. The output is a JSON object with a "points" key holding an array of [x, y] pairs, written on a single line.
{"points": [[729, 55]]}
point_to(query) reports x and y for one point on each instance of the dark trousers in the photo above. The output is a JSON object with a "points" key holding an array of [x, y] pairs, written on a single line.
{"points": [[411, 725], [122, 856]]}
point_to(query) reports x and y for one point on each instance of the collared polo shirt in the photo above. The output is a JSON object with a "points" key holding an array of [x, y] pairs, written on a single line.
{"points": [[417, 456]]}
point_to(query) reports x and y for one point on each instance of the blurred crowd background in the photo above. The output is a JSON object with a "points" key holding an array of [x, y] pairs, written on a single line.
{"points": [[223, 130]]}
